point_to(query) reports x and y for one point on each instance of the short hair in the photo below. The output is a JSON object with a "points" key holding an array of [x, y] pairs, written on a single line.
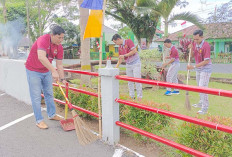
{"points": [[200, 32], [56, 29], [167, 41], [116, 36]]}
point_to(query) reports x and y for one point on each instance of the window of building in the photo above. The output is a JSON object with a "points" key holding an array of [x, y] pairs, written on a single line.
{"points": [[116, 49]]}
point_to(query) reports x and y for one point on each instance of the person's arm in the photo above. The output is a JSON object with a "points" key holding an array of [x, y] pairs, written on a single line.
{"points": [[60, 69], [43, 59], [189, 67], [128, 54], [165, 64], [131, 53]]}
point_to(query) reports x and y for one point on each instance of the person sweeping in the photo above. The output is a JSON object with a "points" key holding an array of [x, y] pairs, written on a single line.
{"points": [[128, 52], [201, 53], [41, 73], [174, 68]]}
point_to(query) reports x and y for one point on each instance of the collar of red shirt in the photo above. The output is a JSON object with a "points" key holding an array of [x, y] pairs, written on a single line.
{"points": [[200, 45], [171, 47]]}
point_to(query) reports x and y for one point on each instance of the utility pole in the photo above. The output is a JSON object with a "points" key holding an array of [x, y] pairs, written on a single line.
{"points": [[215, 14], [28, 25], [39, 12]]}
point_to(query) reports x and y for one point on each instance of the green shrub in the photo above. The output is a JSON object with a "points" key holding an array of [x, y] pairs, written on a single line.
{"points": [[81, 100], [148, 59], [203, 139], [111, 53], [145, 120]]}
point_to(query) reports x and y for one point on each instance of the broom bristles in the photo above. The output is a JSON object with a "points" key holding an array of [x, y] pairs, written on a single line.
{"points": [[84, 134], [187, 102]]}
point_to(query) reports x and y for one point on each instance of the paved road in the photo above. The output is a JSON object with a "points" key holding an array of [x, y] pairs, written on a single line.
{"points": [[24, 139]]}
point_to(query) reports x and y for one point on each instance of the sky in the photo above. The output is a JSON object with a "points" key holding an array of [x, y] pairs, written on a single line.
{"points": [[200, 7]]}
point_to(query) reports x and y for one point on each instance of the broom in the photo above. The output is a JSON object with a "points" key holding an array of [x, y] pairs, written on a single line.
{"points": [[118, 63], [187, 102], [84, 134]]}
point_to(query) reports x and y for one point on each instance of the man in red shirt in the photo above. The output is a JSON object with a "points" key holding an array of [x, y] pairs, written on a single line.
{"points": [[174, 68], [41, 73], [201, 53], [128, 52]]}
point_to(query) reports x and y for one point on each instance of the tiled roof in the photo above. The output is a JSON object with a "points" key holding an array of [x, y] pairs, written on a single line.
{"points": [[212, 31], [159, 31]]}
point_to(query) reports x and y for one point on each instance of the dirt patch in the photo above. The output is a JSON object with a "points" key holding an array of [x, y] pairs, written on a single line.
{"points": [[149, 150]]}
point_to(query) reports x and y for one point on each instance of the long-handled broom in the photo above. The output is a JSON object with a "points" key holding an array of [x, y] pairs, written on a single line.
{"points": [[187, 102], [118, 63], [84, 134]]}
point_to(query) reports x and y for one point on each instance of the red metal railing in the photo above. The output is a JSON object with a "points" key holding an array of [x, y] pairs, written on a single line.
{"points": [[163, 140], [78, 90], [191, 151], [219, 92], [76, 107], [79, 108], [82, 72], [178, 116]]}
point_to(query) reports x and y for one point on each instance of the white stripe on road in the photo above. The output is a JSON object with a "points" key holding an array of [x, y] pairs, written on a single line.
{"points": [[15, 121], [19, 120], [2, 94], [118, 153], [130, 150]]}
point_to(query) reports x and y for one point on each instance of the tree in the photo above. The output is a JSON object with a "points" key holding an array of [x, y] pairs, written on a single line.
{"points": [[164, 9], [85, 45], [48, 10], [124, 32], [143, 25], [3, 2], [72, 31], [13, 30], [221, 14]]}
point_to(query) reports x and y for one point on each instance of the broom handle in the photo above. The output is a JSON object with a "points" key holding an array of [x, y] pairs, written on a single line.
{"points": [[64, 95], [190, 51], [119, 62]]}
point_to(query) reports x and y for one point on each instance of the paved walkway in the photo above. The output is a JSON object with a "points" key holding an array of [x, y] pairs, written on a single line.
{"points": [[19, 136]]}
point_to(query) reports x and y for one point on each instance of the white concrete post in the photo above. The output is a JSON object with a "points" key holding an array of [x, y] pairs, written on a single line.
{"points": [[110, 108]]}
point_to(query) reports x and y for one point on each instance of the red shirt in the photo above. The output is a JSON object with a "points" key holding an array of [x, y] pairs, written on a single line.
{"points": [[174, 54], [52, 51], [125, 48], [201, 53]]}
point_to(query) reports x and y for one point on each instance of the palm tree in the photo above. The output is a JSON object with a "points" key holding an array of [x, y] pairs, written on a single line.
{"points": [[143, 25], [85, 45], [164, 9]]}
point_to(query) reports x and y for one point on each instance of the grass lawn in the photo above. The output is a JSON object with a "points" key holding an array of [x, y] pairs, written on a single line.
{"points": [[215, 75], [221, 106]]}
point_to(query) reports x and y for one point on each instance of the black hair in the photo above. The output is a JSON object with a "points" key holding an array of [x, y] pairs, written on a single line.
{"points": [[167, 41], [116, 36], [56, 29], [200, 32]]}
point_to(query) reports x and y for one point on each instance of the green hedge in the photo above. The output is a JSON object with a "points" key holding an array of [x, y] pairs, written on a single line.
{"points": [[203, 139], [145, 120]]}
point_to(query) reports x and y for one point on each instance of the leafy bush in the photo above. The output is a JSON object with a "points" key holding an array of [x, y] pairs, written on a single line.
{"points": [[148, 59], [145, 120], [111, 53], [81, 100], [210, 141]]}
